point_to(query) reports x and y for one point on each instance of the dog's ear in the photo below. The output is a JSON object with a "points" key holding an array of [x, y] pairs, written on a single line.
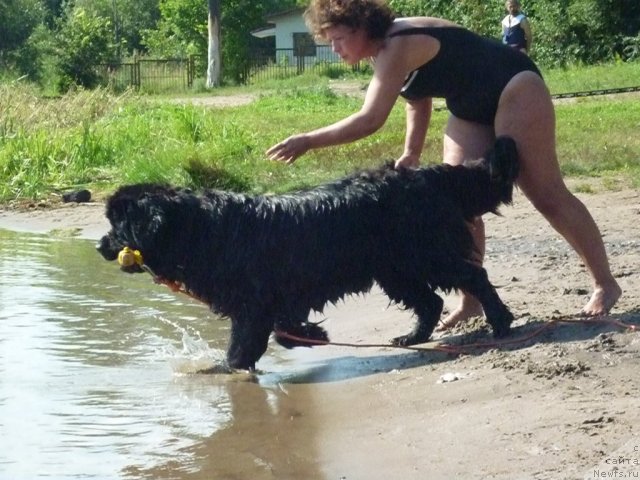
{"points": [[130, 202], [126, 211], [119, 207], [156, 217]]}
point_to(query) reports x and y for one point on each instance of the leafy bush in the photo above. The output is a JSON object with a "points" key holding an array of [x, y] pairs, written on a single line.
{"points": [[565, 32], [85, 41]]}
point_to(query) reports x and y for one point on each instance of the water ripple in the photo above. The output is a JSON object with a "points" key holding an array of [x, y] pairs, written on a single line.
{"points": [[87, 359]]}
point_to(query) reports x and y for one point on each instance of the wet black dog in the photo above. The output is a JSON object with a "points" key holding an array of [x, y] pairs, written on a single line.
{"points": [[267, 261]]}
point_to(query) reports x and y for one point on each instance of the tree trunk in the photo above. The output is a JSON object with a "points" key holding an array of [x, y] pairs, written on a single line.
{"points": [[213, 63]]}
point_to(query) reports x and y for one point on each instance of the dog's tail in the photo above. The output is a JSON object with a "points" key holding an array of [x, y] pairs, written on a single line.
{"points": [[503, 166], [488, 182]]}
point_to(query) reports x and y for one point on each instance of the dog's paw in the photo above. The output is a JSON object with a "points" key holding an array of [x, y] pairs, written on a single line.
{"points": [[501, 325], [501, 331], [408, 340], [303, 335]]}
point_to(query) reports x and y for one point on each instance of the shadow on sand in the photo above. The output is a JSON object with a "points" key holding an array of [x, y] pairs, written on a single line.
{"points": [[524, 335]]}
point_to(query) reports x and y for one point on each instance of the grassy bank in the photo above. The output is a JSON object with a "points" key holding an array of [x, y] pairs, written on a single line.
{"points": [[99, 140]]}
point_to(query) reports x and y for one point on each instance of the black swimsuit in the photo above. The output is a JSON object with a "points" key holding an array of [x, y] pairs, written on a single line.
{"points": [[469, 72]]}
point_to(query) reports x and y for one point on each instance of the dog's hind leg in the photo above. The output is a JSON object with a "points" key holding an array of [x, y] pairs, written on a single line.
{"points": [[425, 303], [496, 312]]}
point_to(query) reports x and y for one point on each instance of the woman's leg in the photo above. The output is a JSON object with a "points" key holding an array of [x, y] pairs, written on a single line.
{"points": [[465, 140], [526, 114]]}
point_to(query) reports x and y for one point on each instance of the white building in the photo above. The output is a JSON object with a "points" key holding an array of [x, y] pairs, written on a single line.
{"points": [[294, 44]]}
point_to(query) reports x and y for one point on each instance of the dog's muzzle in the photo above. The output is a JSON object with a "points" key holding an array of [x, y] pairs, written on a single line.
{"points": [[106, 249], [130, 261]]}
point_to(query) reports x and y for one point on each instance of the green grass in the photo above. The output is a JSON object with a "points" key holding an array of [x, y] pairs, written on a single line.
{"points": [[98, 140], [599, 137], [593, 77]]}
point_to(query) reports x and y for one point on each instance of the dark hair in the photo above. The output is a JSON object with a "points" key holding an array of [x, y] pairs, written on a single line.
{"points": [[374, 16]]}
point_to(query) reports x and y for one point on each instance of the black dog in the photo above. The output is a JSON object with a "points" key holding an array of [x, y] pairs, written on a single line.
{"points": [[267, 261]]}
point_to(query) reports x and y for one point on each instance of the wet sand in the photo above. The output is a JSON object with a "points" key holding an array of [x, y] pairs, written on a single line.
{"points": [[556, 404]]}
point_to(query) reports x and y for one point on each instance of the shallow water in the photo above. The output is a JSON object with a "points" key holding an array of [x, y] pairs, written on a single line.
{"points": [[94, 376]]}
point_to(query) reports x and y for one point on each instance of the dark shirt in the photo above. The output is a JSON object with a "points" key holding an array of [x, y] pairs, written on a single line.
{"points": [[469, 72], [513, 33]]}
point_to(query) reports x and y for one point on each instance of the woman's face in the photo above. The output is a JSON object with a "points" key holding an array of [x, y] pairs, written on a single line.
{"points": [[351, 44]]}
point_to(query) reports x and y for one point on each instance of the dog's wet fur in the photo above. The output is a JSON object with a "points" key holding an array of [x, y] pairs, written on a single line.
{"points": [[266, 261]]}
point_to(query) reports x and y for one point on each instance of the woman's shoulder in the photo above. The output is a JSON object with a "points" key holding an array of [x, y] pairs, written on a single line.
{"points": [[404, 23], [406, 39]]}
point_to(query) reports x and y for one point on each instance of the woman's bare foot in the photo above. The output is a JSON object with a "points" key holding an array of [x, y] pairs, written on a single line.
{"points": [[469, 307], [602, 300]]}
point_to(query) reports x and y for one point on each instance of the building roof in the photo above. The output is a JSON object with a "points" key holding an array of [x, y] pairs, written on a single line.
{"points": [[264, 32], [284, 13], [269, 30]]}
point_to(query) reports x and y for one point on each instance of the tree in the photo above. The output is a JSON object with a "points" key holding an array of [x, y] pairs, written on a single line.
{"points": [[184, 31], [181, 31], [214, 70], [238, 19], [85, 41], [18, 20], [128, 18]]}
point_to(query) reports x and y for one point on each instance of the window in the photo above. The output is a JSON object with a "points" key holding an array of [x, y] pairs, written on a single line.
{"points": [[303, 45]]}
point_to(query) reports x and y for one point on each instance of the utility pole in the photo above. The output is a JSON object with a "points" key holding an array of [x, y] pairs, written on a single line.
{"points": [[213, 57], [116, 30]]}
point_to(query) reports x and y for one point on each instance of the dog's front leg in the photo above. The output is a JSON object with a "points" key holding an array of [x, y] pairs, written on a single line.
{"points": [[248, 341]]}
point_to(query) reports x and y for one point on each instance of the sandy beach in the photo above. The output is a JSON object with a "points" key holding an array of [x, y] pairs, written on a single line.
{"points": [[559, 400]]}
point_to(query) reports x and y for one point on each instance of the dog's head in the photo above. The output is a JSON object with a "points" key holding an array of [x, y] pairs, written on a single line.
{"points": [[141, 219]]}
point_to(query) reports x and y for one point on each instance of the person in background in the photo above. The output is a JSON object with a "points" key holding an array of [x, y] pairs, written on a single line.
{"points": [[516, 31], [490, 90]]}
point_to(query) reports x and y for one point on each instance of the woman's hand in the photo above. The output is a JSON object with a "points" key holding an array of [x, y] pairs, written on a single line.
{"points": [[407, 161], [290, 149]]}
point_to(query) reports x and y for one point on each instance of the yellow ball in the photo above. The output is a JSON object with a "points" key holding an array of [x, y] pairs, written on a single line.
{"points": [[126, 257]]}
